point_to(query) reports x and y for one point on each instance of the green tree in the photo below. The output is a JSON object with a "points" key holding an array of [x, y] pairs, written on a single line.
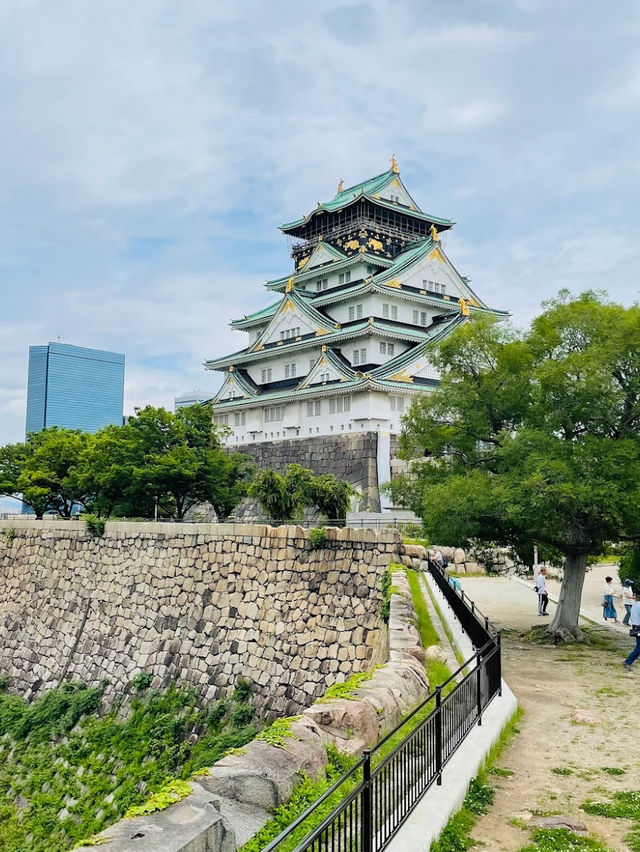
{"points": [[178, 460], [533, 437], [12, 460], [49, 470], [332, 497], [285, 497]]}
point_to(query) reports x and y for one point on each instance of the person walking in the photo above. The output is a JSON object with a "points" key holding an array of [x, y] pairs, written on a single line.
{"points": [[543, 595], [635, 632], [628, 599], [608, 609]]}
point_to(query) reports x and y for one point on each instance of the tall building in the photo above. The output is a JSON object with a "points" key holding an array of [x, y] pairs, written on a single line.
{"points": [[194, 397], [345, 346], [74, 387]]}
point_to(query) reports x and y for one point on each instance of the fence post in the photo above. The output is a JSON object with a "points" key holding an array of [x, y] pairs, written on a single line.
{"points": [[366, 829], [499, 653], [479, 665], [438, 718]]}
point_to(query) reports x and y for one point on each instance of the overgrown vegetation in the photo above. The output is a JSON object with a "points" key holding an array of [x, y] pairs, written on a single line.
{"points": [[387, 589], [428, 634], [67, 770], [562, 840], [346, 689]]}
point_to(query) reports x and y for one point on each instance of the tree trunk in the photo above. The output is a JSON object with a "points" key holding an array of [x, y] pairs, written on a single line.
{"points": [[565, 622]]}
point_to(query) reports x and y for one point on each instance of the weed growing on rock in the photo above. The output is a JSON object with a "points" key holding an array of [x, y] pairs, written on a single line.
{"points": [[346, 689], [317, 538], [279, 732]]}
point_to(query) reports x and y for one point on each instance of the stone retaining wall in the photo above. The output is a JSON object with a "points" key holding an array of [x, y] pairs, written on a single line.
{"points": [[351, 456], [203, 603], [240, 787]]}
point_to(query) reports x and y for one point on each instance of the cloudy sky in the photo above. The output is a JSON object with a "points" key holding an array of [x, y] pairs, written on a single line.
{"points": [[150, 149]]}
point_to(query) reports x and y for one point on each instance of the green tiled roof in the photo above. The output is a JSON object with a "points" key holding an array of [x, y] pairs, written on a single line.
{"points": [[343, 262], [265, 313], [366, 188]]}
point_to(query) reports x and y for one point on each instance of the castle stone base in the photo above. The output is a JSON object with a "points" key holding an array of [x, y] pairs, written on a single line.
{"points": [[352, 457]]}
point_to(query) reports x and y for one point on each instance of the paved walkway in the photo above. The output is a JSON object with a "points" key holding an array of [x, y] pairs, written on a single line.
{"points": [[512, 603]]}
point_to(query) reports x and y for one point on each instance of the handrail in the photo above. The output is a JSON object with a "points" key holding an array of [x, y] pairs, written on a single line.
{"points": [[371, 813]]}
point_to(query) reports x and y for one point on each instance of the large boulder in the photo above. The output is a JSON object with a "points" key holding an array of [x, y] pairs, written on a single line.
{"points": [[191, 825], [265, 775]]}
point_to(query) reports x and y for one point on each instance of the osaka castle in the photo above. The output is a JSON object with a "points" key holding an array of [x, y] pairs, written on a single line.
{"points": [[345, 345]]}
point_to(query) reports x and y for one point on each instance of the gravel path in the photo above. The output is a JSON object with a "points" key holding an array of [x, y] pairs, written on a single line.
{"points": [[581, 715]]}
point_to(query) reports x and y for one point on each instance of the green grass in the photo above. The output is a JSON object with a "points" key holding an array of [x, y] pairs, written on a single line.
{"points": [[561, 840], [428, 633], [67, 771], [456, 835], [458, 655], [346, 689], [623, 805]]}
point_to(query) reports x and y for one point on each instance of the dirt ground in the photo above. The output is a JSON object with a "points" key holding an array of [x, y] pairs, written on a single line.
{"points": [[581, 715]]}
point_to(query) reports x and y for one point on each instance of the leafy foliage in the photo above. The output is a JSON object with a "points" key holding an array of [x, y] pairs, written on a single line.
{"points": [[174, 461], [317, 538], [562, 840], [67, 772], [93, 525], [284, 497], [533, 437]]}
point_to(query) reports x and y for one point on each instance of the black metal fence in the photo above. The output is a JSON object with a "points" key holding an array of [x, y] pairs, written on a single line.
{"points": [[365, 808]]}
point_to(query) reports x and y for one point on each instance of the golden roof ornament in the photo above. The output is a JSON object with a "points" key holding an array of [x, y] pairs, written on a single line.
{"points": [[289, 286], [394, 165], [435, 236], [464, 307], [340, 185]]}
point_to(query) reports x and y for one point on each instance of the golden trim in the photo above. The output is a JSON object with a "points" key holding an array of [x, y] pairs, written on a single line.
{"points": [[436, 254], [324, 348], [464, 307], [321, 331], [231, 369], [376, 245], [394, 283], [434, 233], [352, 244], [340, 185], [401, 377], [394, 164], [289, 286], [288, 304], [304, 262]]}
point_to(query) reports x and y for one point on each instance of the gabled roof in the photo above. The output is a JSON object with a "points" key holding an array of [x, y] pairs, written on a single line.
{"points": [[320, 249], [343, 262], [241, 380], [369, 189], [297, 302], [439, 329], [257, 316], [332, 360]]}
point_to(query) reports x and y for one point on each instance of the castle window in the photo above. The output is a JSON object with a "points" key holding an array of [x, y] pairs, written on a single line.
{"points": [[322, 284], [397, 404], [415, 317], [273, 413], [359, 356], [371, 270], [385, 310], [359, 311], [222, 419], [289, 371], [390, 348], [313, 408], [344, 277], [339, 404], [240, 418], [352, 313], [324, 377], [265, 375], [312, 361], [389, 311], [387, 348], [383, 348]]}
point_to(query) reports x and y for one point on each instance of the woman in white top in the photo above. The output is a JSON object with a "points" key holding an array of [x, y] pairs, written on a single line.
{"points": [[608, 609], [628, 599], [543, 597]]}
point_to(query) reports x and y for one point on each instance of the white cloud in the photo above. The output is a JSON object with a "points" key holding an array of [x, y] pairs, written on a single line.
{"points": [[152, 148]]}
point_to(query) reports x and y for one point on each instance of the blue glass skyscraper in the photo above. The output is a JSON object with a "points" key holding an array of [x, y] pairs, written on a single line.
{"points": [[74, 387]]}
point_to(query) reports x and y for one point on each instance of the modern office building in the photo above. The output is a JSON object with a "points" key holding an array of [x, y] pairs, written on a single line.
{"points": [[194, 397], [74, 387]]}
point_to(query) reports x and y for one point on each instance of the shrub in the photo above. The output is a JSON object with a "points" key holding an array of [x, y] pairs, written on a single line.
{"points": [[94, 526], [317, 538], [140, 682], [243, 691], [242, 714]]}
